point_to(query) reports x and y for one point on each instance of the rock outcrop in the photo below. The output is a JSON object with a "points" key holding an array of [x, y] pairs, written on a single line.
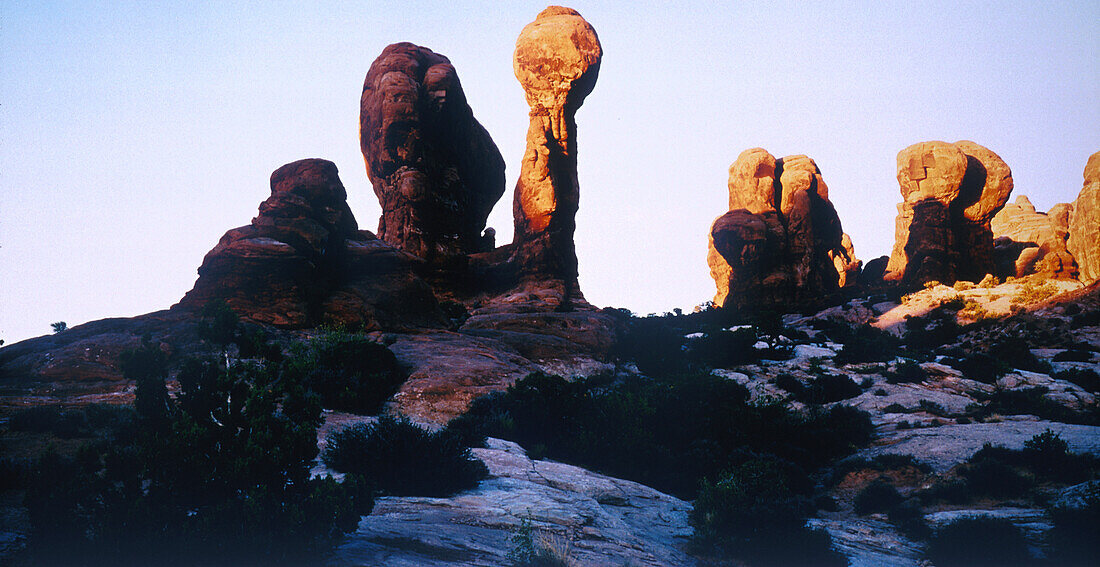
{"points": [[950, 194], [781, 243], [435, 169], [1029, 242], [1084, 224], [557, 60], [303, 261]]}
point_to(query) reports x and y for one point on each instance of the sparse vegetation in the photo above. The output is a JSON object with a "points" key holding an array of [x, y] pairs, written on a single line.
{"points": [[906, 372], [59, 327], [1031, 292], [878, 496], [978, 542], [350, 372], [866, 344]]}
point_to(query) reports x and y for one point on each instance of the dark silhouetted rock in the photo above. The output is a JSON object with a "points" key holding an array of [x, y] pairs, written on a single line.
{"points": [[435, 169]]}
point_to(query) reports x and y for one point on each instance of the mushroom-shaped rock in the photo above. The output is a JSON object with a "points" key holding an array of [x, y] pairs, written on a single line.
{"points": [[557, 60], [752, 181], [931, 170], [1084, 223], [435, 169]]}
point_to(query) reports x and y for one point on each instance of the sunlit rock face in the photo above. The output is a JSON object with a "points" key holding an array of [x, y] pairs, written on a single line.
{"points": [[303, 261], [781, 245], [1030, 242], [950, 194], [557, 60], [1084, 223], [435, 169]]}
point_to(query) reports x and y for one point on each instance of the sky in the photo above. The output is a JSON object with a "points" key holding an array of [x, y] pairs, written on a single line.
{"points": [[134, 134]]}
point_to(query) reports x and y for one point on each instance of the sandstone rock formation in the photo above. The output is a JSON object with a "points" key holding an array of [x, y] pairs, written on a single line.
{"points": [[1029, 242], [950, 194], [557, 60], [302, 261], [1084, 224], [435, 169], [781, 243]]}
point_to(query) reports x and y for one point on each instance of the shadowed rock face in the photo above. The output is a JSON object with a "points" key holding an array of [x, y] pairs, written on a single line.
{"points": [[302, 261], [435, 169], [950, 194], [1084, 223], [781, 244], [557, 60]]}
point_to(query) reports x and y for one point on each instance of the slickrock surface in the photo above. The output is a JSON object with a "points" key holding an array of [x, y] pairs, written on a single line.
{"points": [[435, 169], [1084, 224], [590, 518], [950, 194], [303, 261], [781, 243], [1029, 242], [557, 60]]}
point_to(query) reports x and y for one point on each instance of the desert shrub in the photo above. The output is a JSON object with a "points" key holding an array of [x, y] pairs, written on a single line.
{"points": [[791, 384], [1085, 319], [963, 285], [668, 433], [1016, 352], [722, 349], [996, 479], [828, 388], [906, 372], [909, 518], [218, 323], [885, 462], [1045, 457], [980, 367], [532, 549], [222, 477], [350, 372], [867, 344], [59, 327], [878, 496], [402, 459], [881, 392], [989, 281], [954, 303], [66, 424], [978, 542], [928, 406], [1031, 292], [653, 344], [1073, 355], [1073, 540], [1032, 401], [936, 329], [753, 513], [1086, 378]]}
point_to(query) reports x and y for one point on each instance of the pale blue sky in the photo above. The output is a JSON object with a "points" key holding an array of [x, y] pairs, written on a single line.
{"points": [[134, 134]]}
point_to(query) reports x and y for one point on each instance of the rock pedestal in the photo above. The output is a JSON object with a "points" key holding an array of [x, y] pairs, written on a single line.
{"points": [[781, 244], [557, 60], [950, 194]]}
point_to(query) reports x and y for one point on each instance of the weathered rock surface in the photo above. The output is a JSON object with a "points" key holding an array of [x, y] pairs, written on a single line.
{"points": [[302, 261], [950, 194], [781, 243], [435, 169], [589, 518], [1084, 224], [557, 60], [1029, 242]]}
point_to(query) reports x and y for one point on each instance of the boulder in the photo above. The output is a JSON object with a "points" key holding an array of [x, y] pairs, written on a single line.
{"points": [[302, 261], [435, 169], [781, 244], [1029, 242], [950, 194], [1084, 224], [557, 60]]}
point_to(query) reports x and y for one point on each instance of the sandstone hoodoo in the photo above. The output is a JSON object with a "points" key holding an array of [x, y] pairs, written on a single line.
{"points": [[1084, 224], [1029, 242], [781, 243], [303, 261], [950, 194], [435, 169], [557, 60]]}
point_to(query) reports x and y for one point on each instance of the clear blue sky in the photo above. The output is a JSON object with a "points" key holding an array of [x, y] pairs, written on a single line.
{"points": [[134, 134]]}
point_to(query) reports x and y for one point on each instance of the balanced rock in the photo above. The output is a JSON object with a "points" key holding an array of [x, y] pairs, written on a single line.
{"points": [[435, 169], [950, 194], [557, 60], [1084, 224], [1029, 242], [781, 244], [303, 261]]}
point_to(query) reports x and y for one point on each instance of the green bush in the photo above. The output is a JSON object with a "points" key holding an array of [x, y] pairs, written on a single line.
{"points": [[906, 372], [878, 496], [350, 372], [978, 542], [1073, 540], [723, 349], [222, 477], [1033, 401], [403, 459], [866, 344], [1086, 378], [980, 367], [1016, 352], [753, 513]]}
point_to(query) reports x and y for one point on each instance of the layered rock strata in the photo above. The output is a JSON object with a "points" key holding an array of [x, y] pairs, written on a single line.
{"points": [[1084, 224], [435, 169], [1029, 242], [303, 261], [557, 60], [781, 243], [950, 194]]}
